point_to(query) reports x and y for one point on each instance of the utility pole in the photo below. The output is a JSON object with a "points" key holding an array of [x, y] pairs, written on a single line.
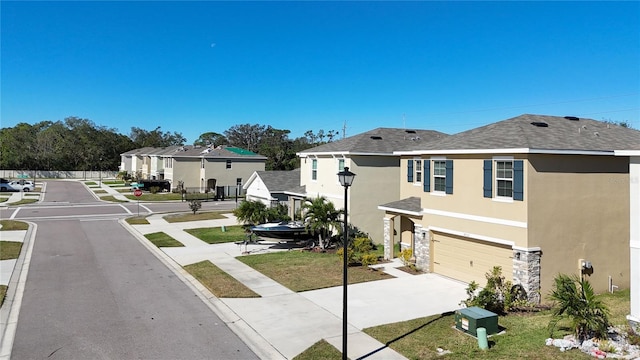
{"points": [[344, 129]]}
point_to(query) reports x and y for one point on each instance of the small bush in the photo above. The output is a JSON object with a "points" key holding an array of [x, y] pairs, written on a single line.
{"points": [[351, 255], [405, 256], [495, 296], [363, 245], [369, 259], [154, 189], [195, 205]]}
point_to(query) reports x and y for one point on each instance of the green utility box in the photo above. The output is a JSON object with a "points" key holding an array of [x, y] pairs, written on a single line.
{"points": [[470, 319]]}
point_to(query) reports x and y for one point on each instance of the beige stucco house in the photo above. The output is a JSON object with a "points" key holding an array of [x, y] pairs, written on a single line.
{"points": [[222, 168], [370, 155], [536, 195]]}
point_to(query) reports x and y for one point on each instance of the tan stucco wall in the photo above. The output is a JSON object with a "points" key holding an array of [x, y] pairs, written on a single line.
{"points": [[240, 168], [186, 170], [376, 182], [467, 210], [579, 209]]}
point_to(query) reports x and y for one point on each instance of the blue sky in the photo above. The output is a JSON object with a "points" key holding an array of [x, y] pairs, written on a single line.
{"points": [[200, 66]]}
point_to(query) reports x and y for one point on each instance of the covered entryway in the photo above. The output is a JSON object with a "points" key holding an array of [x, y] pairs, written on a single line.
{"points": [[468, 259]]}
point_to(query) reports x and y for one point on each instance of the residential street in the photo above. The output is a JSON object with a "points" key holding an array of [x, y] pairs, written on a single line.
{"points": [[93, 291]]}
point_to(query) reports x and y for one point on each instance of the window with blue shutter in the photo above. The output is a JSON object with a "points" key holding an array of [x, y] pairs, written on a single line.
{"points": [[427, 176], [409, 170], [488, 178], [518, 180], [449, 177]]}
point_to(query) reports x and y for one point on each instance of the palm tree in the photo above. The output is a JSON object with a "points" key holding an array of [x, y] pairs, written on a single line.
{"points": [[322, 218], [251, 212], [576, 301]]}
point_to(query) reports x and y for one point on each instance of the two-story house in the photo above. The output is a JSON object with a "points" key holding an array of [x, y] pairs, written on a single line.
{"points": [[370, 155], [535, 195], [211, 168]]}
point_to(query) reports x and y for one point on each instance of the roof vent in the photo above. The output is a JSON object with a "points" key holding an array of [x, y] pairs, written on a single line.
{"points": [[376, 137], [410, 131], [572, 118], [540, 124]]}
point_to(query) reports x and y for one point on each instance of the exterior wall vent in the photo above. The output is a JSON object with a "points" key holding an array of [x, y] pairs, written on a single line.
{"points": [[572, 118], [540, 124]]}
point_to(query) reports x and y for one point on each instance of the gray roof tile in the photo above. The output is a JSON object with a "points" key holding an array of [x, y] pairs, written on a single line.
{"points": [[559, 133], [379, 141], [411, 204], [280, 181]]}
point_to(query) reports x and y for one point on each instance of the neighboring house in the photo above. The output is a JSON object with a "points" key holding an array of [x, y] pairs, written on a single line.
{"points": [[223, 168], [272, 187], [536, 195], [634, 232], [136, 161], [370, 155]]}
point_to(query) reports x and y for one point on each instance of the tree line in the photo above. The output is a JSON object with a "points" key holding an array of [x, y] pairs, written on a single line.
{"points": [[79, 144]]}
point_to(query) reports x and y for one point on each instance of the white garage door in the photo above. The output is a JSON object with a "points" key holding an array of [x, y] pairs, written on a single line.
{"points": [[467, 259]]}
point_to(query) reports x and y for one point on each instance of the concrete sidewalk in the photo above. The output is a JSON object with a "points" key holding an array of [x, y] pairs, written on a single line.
{"points": [[290, 322]]}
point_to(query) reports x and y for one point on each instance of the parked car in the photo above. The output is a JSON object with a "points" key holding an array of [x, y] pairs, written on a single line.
{"points": [[4, 185], [22, 185]]}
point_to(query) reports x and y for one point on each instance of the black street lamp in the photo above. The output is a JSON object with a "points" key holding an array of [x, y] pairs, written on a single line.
{"points": [[346, 179]]}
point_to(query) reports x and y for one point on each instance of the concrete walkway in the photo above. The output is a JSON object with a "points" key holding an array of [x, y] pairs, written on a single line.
{"points": [[291, 322]]}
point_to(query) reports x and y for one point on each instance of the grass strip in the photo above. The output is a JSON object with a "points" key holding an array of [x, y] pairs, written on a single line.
{"points": [[304, 270], [24, 201], [157, 197], [161, 239], [9, 225], [3, 292], [215, 235], [10, 249], [137, 220], [111, 198], [220, 283], [209, 215], [321, 350]]}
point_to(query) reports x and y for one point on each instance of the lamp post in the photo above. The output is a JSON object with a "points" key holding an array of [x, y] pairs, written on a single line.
{"points": [[346, 179], [100, 170]]}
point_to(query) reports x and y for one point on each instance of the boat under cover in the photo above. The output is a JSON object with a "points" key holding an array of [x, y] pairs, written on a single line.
{"points": [[281, 230]]}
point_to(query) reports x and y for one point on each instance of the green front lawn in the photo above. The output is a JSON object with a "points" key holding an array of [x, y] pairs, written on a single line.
{"points": [[215, 235], [156, 197], [304, 270], [209, 215]]}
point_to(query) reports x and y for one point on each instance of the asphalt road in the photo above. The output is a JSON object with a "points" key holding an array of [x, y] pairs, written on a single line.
{"points": [[94, 292]]}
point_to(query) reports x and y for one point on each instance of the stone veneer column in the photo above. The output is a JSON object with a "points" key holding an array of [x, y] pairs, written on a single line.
{"points": [[421, 247], [526, 272], [388, 243]]}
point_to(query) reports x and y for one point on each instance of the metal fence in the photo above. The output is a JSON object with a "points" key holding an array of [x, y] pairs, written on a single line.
{"points": [[219, 193]]}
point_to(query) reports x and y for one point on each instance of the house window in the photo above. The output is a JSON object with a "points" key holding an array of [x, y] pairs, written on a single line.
{"points": [[442, 176], [504, 178], [508, 179], [418, 171], [239, 181], [168, 163], [340, 165], [228, 164], [314, 169], [439, 175]]}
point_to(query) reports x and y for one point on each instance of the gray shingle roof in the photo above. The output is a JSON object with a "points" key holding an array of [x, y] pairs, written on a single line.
{"points": [[379, 141], [411, 204], [552, 133], [280, 181]]}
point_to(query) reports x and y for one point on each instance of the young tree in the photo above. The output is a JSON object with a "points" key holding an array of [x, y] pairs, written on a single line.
{"points": [[321, 217]]}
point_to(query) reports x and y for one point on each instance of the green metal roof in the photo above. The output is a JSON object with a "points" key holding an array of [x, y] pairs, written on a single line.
{"points": [[240, 151]]}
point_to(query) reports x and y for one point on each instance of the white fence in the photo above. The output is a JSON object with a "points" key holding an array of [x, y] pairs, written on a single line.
{"points": [[57, 174]]}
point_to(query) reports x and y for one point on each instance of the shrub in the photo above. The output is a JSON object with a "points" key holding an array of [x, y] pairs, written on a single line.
{"points": [[363, 245], [351, 255], [575, 300], [369, 259], [195, 205], [495, 296], [154, 189], [406, 255]]}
